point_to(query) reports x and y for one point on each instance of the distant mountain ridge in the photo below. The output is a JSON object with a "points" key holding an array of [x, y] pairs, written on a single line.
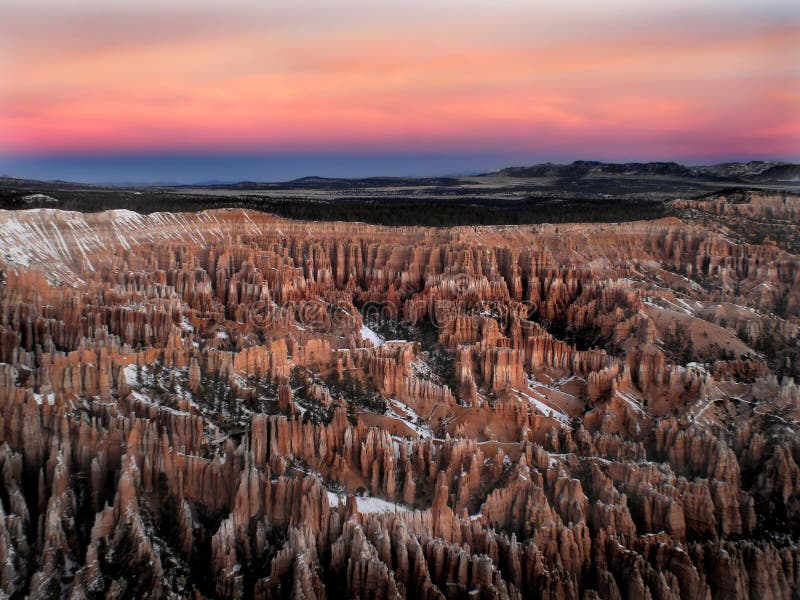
{"points": [[752, 171], [579, 172]]}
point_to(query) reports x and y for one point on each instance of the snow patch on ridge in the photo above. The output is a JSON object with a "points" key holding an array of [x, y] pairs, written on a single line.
{"points": [[409, 416], [368, 504], [31, 198], [544, 408], [369, 334]]}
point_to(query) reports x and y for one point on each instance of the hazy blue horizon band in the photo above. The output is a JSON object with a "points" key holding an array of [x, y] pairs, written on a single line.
{"points": [[209, 168], [197, 168]]}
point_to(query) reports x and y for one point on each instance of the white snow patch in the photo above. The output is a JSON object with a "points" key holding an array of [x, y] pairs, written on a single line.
{"points": [[376, 505], [631, 401], [40, 398], [545, 409], [369, 334], [368, 504], [30, 199], [687, 306], [409, 416], [130, 374]]}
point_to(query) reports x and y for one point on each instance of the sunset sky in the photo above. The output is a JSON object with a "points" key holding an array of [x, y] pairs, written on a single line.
{"points": [[267, 89]]}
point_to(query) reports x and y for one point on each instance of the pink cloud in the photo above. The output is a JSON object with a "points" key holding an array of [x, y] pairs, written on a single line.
{"points": [[405, 84]]}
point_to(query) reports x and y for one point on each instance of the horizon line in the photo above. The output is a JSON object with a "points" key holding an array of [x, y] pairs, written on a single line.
{"points": [[106, 168]]}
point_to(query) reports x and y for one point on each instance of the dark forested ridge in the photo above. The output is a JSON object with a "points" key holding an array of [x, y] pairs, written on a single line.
{"points": [[382, 211]]}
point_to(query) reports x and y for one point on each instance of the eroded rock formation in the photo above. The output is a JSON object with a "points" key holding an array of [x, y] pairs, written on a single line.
{"points": [[230, 405]]}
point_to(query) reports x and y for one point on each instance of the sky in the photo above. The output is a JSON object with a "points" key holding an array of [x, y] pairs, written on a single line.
{"points": [[196, 90]]}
